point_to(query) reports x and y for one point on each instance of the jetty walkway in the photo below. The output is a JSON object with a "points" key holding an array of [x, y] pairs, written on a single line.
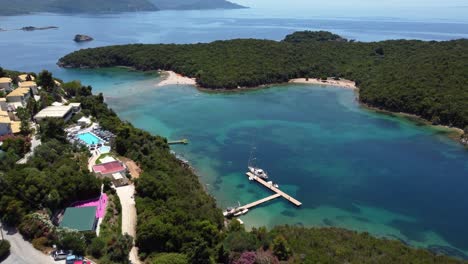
{"points": [[278, 193], [178, 142]]}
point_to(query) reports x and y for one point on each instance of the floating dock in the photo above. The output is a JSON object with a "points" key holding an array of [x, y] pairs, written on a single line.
{"points": [[178, 142], [274, 189]]}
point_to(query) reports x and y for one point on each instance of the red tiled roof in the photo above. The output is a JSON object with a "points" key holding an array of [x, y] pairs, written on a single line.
{"points": [[109, 168]]}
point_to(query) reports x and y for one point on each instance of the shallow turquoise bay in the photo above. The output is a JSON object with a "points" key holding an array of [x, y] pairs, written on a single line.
{"points": [[350, 167]]}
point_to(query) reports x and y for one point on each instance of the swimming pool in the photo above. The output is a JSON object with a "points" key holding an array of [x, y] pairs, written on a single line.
{"points": [[104, 149], [89, 138]]}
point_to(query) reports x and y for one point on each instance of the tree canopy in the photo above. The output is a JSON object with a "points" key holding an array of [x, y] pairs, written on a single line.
{"points": [[424, 78]]}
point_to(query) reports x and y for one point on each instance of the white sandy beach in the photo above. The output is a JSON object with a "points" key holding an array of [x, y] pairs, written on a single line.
{"points": [[330, 81], [172, 78]]}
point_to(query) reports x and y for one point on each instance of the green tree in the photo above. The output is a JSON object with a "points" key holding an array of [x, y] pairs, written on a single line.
{"points": [[72, 241], [25, 116], [96, 248], [198, 252], [46, 81], [52, 128], [281, 248], [170, 258], [4, 249], [12, 210], [119, 250]]}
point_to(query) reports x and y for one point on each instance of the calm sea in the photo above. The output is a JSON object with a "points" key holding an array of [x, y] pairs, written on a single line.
{"points": [[350, 167]]}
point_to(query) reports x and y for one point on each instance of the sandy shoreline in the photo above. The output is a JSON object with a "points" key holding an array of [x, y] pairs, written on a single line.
{"points": [[329, 82], [172, 78]]}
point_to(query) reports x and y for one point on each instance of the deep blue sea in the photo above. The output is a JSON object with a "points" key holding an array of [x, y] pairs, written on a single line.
{"points": [[350, 167]]}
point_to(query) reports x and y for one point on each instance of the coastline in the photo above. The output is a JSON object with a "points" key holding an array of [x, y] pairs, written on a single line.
{"points": [[453, 133], [172, 78], [329, 82]]}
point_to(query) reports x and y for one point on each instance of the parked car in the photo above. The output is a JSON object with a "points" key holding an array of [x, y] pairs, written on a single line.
{"points": [[72, 259], [61, 254]]}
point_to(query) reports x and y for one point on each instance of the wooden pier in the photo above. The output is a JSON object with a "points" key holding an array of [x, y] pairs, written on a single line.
{"points": [[178, 142], [259, 202], [278, 193], [274, 189]]}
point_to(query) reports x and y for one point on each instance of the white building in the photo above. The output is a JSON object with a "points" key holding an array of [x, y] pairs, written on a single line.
{"points": [[6, 84], [19, 95], [76, 107], [25, 78], [31, 85], [5, 126], [3, 104], [8, 126], [64, 112]]}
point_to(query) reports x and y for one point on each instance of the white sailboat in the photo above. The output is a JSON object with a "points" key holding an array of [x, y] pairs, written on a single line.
{"points": [[254, 169]]}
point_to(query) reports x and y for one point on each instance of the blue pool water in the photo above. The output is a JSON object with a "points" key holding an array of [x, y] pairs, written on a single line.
{"points": [[104, 149], [89, 138]]}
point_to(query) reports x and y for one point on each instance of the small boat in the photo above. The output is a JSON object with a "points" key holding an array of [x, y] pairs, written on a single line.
{"points": [[229, 211], [258, 172], [241, 212], [251, 178]]}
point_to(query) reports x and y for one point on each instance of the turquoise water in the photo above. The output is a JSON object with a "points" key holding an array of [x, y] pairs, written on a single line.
{"points": [[89, 138], [349, 167], [104, 149]]}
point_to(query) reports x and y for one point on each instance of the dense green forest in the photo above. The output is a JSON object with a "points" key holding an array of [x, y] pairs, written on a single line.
{"points": [[428, 79], [178, 222]]}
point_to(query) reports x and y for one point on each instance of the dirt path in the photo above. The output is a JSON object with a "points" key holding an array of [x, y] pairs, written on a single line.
{"points": [[22, 252], [133, 168], [129, 216]]}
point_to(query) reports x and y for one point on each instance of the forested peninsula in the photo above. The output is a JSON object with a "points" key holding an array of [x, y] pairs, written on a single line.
{"points": [[428, 79], [178, 222], [108, 6]]}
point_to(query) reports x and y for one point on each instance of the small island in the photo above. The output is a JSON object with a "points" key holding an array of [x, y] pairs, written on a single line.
{"points": [[82, 38], [31, 28]]}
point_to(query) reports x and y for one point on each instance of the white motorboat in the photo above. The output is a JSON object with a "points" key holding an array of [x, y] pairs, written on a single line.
{"points": [[258, 172], [241, 212]]}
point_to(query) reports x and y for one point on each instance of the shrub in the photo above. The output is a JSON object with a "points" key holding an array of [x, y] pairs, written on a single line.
{"points": [[40, 243], [170, 258], [246, 258], [281, 248], [4, 249], [96, 248]]}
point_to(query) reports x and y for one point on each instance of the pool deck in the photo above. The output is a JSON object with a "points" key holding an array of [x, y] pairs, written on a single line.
{"points": [[94, 135]]}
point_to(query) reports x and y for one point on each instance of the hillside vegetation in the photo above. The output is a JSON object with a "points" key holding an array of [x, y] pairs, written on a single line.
{"points": [[178, 222], [106, 6], [429, 79]]}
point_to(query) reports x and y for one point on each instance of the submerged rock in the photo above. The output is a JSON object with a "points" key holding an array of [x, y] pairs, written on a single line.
{"points": [[82, 38]]}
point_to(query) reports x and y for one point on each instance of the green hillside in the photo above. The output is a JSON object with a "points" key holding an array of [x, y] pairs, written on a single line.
{"points": [[428, 79]]}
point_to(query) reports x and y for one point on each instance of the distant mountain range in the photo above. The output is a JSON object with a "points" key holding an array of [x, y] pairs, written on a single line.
{"points": [[16, 7]]}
